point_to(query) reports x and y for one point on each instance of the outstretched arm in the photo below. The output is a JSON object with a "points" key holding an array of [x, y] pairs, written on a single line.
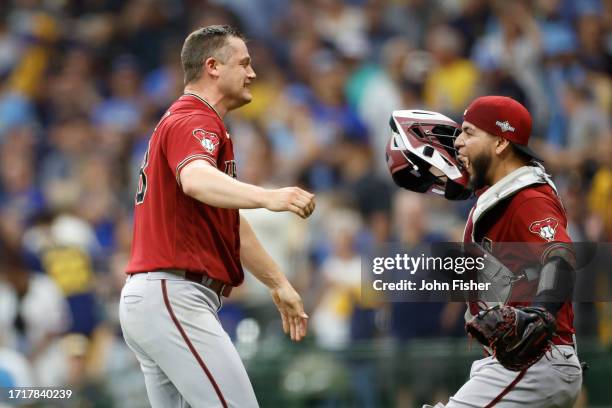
{"points": [[289, 303], [200, 180]]}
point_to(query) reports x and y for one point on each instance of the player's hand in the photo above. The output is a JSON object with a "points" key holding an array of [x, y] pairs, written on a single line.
{"points": [[293, 199], [289, 304]]}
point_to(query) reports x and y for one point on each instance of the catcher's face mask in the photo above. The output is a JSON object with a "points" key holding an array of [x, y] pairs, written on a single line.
{"points": [[421, 155]]}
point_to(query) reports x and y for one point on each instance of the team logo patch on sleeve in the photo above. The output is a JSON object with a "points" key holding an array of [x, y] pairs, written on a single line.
{"points": [[546, 228], [208, 140]]}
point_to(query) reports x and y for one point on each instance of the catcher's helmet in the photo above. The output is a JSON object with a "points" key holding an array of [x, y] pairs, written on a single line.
{"points": [[421, 154]]}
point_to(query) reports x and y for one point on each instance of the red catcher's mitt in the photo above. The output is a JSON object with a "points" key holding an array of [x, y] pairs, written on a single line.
{"points": [[519, 337]]}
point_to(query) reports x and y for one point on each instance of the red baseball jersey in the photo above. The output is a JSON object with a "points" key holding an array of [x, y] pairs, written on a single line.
{"points": [[171, 229], [533, 215]]}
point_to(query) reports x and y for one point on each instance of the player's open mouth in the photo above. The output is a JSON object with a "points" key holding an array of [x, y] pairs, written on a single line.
{"points": [[465, 162]]}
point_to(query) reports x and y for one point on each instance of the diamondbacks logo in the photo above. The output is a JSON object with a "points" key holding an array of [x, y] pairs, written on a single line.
{"points": [[505, 126], [208, 140], [546, 229]]}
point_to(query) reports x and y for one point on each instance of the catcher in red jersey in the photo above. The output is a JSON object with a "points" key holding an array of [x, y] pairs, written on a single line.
{"points": [[533, 361], [190, 241]]}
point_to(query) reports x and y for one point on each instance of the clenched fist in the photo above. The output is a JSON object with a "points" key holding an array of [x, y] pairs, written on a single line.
{"points": [[292, 199]]}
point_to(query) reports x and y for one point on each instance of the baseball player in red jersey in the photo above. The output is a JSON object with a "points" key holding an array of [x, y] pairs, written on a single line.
{"points": [[517, 202], [190, 241]]}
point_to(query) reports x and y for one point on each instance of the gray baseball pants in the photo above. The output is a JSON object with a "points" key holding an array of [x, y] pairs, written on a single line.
{"points": [[188, 360], [553, 382]]}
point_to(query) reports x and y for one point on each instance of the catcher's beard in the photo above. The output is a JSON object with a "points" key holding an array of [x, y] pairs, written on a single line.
{"points": [[480, 168]]}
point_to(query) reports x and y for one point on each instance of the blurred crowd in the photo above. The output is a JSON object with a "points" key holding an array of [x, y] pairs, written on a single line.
{"points": [[84, 82]]}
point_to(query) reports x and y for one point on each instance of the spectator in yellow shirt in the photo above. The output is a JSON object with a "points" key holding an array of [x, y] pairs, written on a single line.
{"points": [[452, 82]]}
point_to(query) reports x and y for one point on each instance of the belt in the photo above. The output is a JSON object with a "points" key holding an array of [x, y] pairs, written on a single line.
{"points": [[217, 286]]}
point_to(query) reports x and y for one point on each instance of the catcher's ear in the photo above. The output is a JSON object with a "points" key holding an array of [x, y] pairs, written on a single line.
{"points": [[502, 145]]}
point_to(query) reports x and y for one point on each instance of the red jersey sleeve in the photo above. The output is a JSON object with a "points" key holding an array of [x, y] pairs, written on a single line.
{"points": [[540, 220], [197, 138]]}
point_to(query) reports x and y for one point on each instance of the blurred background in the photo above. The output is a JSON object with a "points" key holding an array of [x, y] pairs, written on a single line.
{"points": [[83, 83]]}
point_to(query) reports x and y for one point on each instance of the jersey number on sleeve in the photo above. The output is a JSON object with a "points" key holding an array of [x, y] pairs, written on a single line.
{"points": [[142, 176], [142, 179]]}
